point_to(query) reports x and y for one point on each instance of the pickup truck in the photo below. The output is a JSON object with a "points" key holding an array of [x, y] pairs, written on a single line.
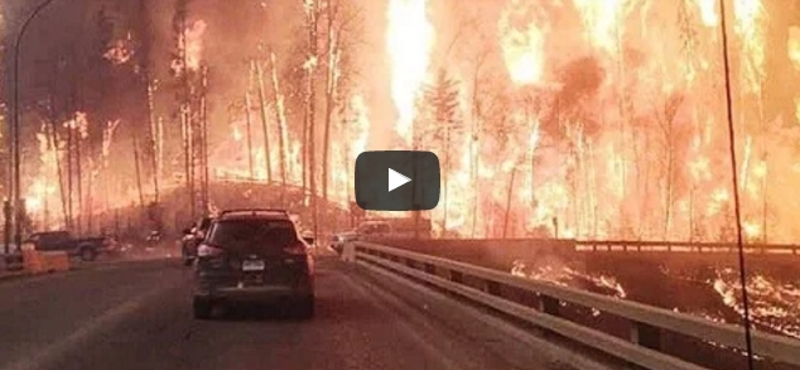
{"points": [[85, 248]]}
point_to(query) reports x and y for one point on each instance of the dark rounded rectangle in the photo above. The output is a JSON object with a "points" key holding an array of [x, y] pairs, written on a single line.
{"points": [[416, 181]]}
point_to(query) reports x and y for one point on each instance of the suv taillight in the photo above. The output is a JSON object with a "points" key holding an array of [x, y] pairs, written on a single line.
{"points": [[296, 249], [205, 250]]}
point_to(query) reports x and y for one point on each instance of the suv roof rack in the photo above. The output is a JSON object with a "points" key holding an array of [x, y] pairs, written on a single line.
{"points": [[254, 212]]}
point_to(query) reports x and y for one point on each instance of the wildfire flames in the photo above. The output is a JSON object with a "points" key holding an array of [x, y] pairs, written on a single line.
{"points": [[619, 137], [409, 42]]}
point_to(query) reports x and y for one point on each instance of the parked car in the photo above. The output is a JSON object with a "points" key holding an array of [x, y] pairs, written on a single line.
{"points": [[86, 248], [255, 256]]}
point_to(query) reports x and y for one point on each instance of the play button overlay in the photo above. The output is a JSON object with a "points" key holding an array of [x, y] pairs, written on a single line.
{"points": [[397, 180]]}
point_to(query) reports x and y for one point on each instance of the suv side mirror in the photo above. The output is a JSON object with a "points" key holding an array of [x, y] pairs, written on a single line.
{"points": [[309, 240], [187, 231]]}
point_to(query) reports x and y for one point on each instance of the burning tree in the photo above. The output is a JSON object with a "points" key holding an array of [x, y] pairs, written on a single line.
{"points": [[190, 93], [344, 24], [441, 125]]}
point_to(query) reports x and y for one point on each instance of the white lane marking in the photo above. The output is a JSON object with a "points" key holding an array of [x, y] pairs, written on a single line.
{"points": [[557, 353], [57, 350]]}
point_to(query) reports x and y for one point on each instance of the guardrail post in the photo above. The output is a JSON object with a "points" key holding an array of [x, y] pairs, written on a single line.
{"points": [[548, 305], [430, 268], [410, 263], [646, 335]]}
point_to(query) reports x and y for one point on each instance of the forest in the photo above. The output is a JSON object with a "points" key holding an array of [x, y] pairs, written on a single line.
{"points": [[589, 119]]}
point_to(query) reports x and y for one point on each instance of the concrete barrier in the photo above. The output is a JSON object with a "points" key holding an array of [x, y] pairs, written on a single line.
{"points": [[36, 262], [54, 261], [31, 261]]}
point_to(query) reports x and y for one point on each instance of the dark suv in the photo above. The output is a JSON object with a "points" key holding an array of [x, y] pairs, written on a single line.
{"points": [[254, 255]]}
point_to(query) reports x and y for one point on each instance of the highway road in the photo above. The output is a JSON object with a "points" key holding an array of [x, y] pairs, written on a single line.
{"points": [[137, 315]]}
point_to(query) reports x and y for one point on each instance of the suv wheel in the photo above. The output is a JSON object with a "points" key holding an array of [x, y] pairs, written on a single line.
{"points": [[304, 308], [202, 308], [87, 254]]}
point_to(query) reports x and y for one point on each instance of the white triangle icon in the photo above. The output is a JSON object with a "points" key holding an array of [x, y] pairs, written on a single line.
{"points": [[397, 179]]}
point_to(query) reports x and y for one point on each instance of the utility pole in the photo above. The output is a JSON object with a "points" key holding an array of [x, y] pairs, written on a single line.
{"points": [[746, 320]]}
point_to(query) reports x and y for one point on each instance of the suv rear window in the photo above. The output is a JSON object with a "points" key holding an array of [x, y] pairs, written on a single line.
{"points": [[236, 234]]}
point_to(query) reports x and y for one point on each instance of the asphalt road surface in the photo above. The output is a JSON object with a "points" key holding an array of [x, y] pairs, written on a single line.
{"points": [[137, 315]]}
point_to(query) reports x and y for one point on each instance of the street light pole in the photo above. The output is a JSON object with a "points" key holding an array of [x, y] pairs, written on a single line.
{"points": [[17, 188]]}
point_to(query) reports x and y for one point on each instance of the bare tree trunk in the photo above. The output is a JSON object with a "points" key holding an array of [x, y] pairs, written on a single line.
{"points": [[187, 157], [160, 144], [70, 173], [764, 154], [89, 198], [637, 178], [264, 122], [444, 175], [153, 137], [645, 205], [508, 202], [591, 186], [53, 143], [311, 111], [691, 214], [188, 124], [280, 116], [248, 133], [79, 174], [623, 118], [107, 193], [330, 91], [304, 155], [205, 183], [669, 190], [473, 158], [137, 166]]}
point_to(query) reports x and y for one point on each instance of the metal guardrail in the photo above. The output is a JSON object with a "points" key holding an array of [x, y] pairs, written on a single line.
{"points": [[647, 323], [682, 247]]}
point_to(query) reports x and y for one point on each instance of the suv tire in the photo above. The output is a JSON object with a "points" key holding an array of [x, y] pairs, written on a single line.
{"points": [[87, 254], [202, 308]]}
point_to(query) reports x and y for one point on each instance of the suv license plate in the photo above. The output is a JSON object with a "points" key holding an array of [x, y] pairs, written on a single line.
{"points": [[253, 265]]}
